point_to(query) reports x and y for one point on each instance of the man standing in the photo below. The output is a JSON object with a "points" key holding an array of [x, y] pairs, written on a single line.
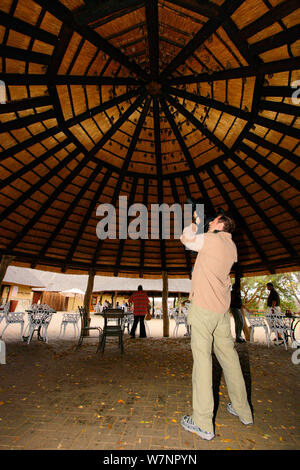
{"points": [[235, 307], [273, 299], [140, 302], [273, 304], [210, 325]]}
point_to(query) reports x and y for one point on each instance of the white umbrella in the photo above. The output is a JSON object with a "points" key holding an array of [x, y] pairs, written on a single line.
{"points": [[73, 293]]}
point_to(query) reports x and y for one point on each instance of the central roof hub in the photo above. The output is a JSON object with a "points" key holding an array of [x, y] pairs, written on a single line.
{"points": [[154, 88]]}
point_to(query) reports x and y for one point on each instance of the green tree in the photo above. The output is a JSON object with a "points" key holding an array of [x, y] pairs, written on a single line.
{"points": [[255, 294]]}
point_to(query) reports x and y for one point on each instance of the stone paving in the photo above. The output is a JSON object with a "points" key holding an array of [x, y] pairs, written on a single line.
{"points": [[52, 397]]}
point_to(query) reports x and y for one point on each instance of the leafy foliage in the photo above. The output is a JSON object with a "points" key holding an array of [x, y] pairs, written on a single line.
{"points": [[255, 294]]}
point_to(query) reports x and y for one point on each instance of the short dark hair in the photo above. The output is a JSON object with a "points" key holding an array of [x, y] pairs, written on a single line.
{"points": [[140, 287], [229, 225], [270, 284]]}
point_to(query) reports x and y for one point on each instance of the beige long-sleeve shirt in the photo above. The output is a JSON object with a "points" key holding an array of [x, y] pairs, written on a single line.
{"points": [[211, 285]]}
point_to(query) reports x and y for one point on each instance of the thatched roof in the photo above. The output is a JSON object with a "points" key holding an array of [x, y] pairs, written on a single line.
{"points": [[157, 101]]}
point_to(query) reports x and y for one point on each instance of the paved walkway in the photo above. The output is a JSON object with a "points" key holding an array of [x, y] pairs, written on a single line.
{"points": [[52, 397]]}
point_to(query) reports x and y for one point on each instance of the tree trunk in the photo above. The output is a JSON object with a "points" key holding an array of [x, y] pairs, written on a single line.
{"points": [[87, 299], [246, 328], [165, 304], [4, 263]]}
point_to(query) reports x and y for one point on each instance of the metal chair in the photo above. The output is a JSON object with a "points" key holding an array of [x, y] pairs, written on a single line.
{"points": [[4, 309], [69, 319], [39, 321], [113, 326], [86, 328], [279, 325], [11, 318], [257, 322], [181, 319]]}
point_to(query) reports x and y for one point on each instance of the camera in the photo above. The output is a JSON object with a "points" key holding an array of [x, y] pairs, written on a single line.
{"points": [[208, 217]]}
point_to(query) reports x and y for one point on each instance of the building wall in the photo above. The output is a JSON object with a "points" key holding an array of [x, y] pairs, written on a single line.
{"points": [[23, 294]]}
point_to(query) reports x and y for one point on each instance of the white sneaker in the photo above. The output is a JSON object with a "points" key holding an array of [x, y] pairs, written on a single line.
{"points": [[231, 410], [188, 424]]}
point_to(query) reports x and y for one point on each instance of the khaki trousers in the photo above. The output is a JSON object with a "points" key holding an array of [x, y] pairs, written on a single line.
{"points": [[212, 332]]}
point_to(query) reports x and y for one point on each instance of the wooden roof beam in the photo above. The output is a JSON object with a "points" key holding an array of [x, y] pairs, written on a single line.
{"points": [[25, 196], [96, 11], [273, 147], [19, 123], [58, 10], [20, 26], [27, 103], [265, 162], [35, 162], [19, 79], [246, 115], [67, 214], [160, 194], [187, 253], [259, 211], [86, 218], [122, 241], [237, 217], [276, 13], [187, 155], [151, 8], [37, 138], [228, 8], [289, 36], [24, 55], [240, 72], [102, 107], [207, 8]]}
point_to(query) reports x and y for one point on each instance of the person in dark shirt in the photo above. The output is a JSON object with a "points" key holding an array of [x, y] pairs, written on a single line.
{"points": [[273, 299], [235, 308]]}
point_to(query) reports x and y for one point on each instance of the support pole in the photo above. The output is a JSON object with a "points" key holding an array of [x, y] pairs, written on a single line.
{"points": [[87, 299], [4, 263], [165, 304], [237, 280]]}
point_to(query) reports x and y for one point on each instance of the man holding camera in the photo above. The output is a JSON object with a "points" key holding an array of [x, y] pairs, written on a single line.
{"points": [[210, 325]]}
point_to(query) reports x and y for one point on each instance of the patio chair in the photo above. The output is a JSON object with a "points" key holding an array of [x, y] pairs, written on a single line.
{"points": [[2, 352], [4, 309], [86, 328], [113, 326], [181, 319], [69, 319], [11, 318], [279, 325], [257, 322], [39, 321], [127, 321]]}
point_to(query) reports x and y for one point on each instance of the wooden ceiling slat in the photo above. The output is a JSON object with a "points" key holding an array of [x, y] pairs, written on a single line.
{"points": [[26, 121], [247, 196], [151, 9], [238, 217], [25, 28], [273, 15], [64, 15], [95, 12]]}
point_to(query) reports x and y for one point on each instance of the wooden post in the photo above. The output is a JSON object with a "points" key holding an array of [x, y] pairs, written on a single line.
{"points": [[87, 299], [237, 280], [153, 306], [165, 304], [246, 328], [4, 263]]}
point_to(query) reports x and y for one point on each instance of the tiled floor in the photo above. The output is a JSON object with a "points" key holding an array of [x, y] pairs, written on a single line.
{"points": [[52, 397]]}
